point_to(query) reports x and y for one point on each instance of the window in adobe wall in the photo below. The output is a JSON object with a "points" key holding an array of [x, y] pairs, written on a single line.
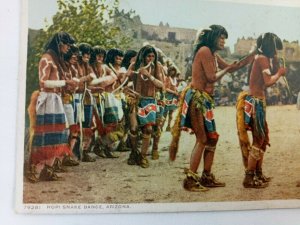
{"points": [[171, 36]]}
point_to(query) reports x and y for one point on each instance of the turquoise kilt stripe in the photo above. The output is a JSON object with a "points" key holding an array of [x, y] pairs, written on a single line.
{"points": [[48, 119], [170, 97], [46, 139], [111, 115]]}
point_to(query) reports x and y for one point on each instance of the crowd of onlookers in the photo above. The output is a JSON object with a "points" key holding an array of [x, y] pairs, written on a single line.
{"points": [[229, 87]]}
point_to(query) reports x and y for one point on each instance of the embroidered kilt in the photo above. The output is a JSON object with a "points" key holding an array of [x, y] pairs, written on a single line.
{"points": [[160, 98], [147, 108], [69, 111], [50, 138], [171, 102], [77, 107], [113, 111], [203, 103], [88, 102], [255, 120]]}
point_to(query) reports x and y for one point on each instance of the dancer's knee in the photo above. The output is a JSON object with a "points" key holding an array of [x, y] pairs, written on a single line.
{"points": [[256, 152], [147, 130], [211, 144]]}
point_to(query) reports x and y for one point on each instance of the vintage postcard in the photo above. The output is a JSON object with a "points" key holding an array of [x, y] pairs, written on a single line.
{"points": [[158, 106]]}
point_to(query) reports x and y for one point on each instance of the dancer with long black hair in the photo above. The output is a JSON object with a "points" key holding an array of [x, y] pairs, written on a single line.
{"points": [[197, 104], [251, 109], [48, 134]]}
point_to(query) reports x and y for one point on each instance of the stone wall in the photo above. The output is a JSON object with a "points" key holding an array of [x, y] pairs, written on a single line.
{"points": [[171, 34], [291, 50], [243, 46], [177, 52]]}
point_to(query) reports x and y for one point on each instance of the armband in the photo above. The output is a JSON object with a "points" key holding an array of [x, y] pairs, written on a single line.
{"points": [[92, 75], [54, 83], [76, 79], [96, 81]]}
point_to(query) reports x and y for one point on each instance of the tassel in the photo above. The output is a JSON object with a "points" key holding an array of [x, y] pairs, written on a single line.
{"points": [[242, 132], [176, 130]]}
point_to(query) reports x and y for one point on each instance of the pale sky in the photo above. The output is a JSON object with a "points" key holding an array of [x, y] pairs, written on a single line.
{"points": [[239, 19]]}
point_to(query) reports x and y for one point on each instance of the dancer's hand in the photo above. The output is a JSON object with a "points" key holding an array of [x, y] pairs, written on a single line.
{"points": [[144, 72], [233, 66], [121, 76], [282, 71], [71, 85]]}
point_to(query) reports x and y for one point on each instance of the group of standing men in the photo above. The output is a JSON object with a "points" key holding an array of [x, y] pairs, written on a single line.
{"points": [[195, 112], [88, 95], [87, 90]]}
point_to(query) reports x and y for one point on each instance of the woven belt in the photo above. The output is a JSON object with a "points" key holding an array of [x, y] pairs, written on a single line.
{"points": [[67, 98]]}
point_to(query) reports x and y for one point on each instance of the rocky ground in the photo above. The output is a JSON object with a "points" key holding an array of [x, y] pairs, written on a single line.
{"points": [[112, 181]]}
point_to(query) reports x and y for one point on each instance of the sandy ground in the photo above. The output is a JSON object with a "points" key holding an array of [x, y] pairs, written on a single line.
{"points": [[113, 181]]}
